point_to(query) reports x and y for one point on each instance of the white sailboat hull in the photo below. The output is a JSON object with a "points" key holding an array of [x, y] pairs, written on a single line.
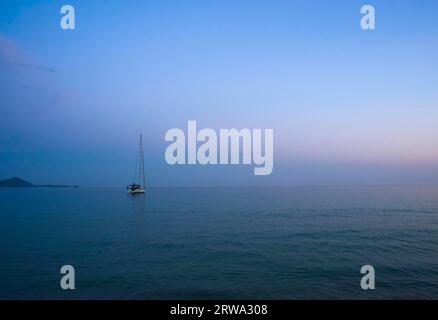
{"points": [[137, 191]]}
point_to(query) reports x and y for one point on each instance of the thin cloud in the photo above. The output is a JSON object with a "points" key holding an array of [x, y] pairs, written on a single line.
{"points": [[35, 66], [12, 55]]}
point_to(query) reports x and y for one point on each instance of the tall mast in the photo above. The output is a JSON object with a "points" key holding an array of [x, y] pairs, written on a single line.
{"points": [[143, 182]]}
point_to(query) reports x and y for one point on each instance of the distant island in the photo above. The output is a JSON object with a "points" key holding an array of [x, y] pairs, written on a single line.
{"points": [[20, 183]]}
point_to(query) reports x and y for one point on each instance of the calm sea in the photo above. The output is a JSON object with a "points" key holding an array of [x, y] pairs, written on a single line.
{"points": [[227, 243]]}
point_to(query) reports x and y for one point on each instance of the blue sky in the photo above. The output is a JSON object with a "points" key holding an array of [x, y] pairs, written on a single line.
{"points": [[348, 106]]}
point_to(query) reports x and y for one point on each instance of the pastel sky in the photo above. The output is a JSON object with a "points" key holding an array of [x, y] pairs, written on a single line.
{"points": [[347, 106]]}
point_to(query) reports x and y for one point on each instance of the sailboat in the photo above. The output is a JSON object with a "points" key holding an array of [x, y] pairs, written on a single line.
{"points": [[135, 188]]}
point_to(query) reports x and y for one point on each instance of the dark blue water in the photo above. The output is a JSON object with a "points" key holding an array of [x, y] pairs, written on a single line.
{"points": [[184, 243]]}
